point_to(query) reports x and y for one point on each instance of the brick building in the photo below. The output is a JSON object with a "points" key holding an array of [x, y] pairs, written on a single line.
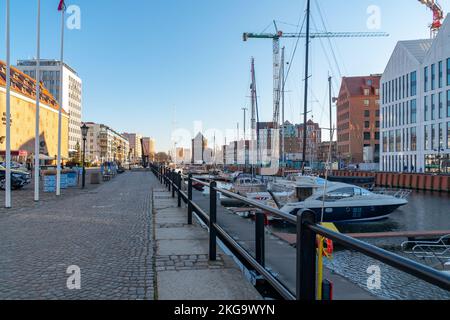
{"points": [[358, 118]]}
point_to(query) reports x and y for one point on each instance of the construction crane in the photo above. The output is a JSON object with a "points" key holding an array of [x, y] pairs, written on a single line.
{"points": [[276, 55], [438, 15]]}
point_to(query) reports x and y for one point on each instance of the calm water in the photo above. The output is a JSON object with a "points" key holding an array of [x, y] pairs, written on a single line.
{"points": [[425, 211]]}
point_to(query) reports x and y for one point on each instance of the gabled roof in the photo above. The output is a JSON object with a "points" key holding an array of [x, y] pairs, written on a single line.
{"points": [[418, 49], [354, 85]]}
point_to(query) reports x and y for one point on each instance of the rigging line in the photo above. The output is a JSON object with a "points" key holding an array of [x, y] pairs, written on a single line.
{"points": [[329, 40], [324, 50], [294, 51]]}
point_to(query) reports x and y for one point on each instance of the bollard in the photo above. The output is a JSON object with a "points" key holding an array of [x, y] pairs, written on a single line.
{"points": [[190, 209], [259, 238], [212, 221], [179, 188], [306, 257]]}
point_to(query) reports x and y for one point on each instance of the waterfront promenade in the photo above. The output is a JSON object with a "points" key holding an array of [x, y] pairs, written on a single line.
{"points": [[125, 245]]}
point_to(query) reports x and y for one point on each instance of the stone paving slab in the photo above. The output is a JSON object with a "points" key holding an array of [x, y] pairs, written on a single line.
{"points": [[183, 269], [220, 284], [183, 233]]}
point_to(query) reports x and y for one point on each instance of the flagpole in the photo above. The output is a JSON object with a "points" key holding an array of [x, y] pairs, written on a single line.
{"points": [[61, 91], [38, 100], [8, 110]]}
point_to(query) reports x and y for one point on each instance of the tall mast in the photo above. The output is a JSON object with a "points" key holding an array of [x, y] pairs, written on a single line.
{"points": [[305, 111], [331, 107], [283, 83]]}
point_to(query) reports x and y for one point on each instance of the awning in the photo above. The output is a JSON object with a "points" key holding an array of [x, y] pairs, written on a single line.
{"points": [[15, 153]]}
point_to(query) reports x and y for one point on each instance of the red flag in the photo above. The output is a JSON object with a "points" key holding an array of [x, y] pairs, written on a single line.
{"points": [[62, 5]]}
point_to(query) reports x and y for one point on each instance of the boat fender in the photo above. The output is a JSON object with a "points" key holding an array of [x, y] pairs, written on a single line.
{"points": [[328, 248]]}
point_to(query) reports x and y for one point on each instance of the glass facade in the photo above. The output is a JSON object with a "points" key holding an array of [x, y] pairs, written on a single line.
{"points": [[414, 82]]}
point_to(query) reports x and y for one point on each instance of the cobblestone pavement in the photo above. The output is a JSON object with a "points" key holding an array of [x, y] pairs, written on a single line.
{"points": [[105, 231]]}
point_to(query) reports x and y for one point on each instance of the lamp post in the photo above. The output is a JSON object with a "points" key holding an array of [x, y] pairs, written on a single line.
{"points": [[84, 132]]}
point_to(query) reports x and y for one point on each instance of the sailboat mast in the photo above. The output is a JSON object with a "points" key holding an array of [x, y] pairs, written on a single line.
{"points": [[305, 111], [283, 83]]}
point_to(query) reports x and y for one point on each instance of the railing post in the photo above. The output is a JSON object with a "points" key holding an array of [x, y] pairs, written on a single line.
{"points": [[172, 182], [259, 238], [212, 221], [190, 209], [306, 257], [179, 188]]}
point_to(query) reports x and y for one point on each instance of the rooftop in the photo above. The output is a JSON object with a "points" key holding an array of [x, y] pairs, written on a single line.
{"points": [[26, 86]]}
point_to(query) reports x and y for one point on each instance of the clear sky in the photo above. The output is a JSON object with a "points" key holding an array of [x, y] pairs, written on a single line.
{"points": [[149, 66]]}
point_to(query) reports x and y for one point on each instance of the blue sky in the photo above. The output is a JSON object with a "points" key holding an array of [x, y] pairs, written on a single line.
{"points": [[149, 66]]}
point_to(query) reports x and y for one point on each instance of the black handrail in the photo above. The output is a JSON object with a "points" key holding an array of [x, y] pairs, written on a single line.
{"points": [[307, 231]]}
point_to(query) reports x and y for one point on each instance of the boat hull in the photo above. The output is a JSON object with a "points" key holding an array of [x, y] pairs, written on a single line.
{"points": [[352, 214]]}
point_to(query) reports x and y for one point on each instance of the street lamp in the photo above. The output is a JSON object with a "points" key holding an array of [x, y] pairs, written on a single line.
{"points": [[84, 132]]}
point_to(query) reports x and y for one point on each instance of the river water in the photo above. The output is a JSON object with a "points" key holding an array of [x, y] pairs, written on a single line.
{"points": [[425, 211]]}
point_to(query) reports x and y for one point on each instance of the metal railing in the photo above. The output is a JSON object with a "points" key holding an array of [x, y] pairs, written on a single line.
{"points": [[307, 231]]}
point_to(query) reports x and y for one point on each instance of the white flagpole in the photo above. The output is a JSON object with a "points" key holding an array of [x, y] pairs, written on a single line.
{"points": [[38, 94], [61, 91], [8, 110]]}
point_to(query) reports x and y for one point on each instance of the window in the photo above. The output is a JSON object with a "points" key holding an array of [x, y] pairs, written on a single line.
{"points": [[425, 77], [441, 136], [366, 113], [366, 103], [448, 103], [398, 140], [414, 82], [448, 71], [433, 107], [441, 105], [377, 124], [369, 82], [413, 139], [448, 135], [366, 124], [440, 71], [377, 135], [385, 141], [396, 89], [433, 76], [433, 136], [366, 136], [403, 87], [377, 113], [366, 92], [414, 110], [391, 140], [426, 138]]}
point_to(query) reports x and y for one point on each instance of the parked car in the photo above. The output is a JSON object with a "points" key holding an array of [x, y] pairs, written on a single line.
{"points": [[19, 179]]}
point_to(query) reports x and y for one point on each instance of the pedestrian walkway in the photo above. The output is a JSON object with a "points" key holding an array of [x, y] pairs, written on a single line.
{"points": [[183, 270], [105, 231]]}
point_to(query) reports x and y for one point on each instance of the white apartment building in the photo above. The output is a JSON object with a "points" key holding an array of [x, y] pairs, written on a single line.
{"points": [[72, 92], [104, 144], [415, 106]]}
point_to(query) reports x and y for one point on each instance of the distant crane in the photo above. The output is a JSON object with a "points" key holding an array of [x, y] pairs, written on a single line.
{"points": [[278, 82], [438, 15]]}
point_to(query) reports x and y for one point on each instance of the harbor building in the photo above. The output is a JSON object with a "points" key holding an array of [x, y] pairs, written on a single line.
{"points": [[415, 108], [134, 141], [199, 146], [358, 124], [50, 75], [104, 144], [23, 118], [148, 148]]}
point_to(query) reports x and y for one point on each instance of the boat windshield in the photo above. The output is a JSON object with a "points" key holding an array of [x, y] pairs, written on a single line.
{"points": [[344, 193]]}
